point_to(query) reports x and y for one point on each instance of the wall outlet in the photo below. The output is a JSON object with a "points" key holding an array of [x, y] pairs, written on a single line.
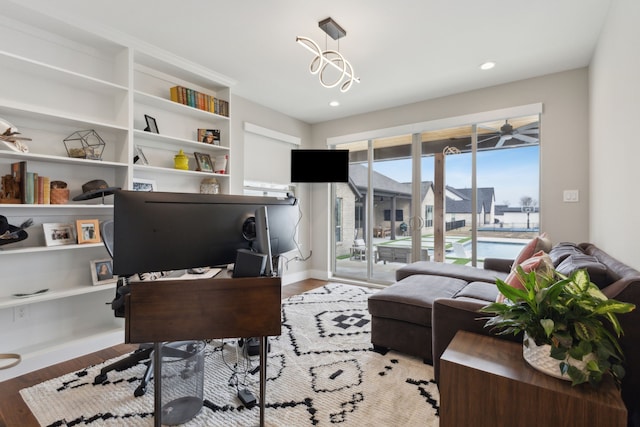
{"points": [[571, 196], [20, 313]]}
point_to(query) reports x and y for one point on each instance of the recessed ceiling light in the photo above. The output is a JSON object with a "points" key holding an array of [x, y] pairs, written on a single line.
{"points": [[487, 65], [334, 103]]}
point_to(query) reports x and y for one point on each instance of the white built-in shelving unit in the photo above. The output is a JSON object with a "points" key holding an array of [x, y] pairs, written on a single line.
{"points": [[55, 79]]}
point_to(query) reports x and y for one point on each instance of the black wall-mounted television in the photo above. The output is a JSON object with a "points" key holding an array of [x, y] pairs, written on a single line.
{"points": [[319, 165]]}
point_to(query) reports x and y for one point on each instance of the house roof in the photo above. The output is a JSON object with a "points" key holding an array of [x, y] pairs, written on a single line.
{"points": [[462, 204], [385, 186]]}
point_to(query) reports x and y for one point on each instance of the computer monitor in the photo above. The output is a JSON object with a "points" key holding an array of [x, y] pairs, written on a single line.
{"points": [[159, 231]]}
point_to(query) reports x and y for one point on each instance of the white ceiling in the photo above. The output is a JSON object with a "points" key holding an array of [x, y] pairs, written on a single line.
{"points": [[404, 51]]}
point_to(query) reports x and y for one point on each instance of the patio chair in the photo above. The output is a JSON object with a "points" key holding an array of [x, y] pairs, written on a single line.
{"points": [[358, 250], [459, 250]]}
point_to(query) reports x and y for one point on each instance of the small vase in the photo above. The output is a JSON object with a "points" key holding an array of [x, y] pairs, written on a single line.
{"points": [[539, 358], [181, 161]]}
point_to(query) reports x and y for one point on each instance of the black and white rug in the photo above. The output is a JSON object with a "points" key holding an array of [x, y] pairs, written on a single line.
{"points": [[322, 371]]}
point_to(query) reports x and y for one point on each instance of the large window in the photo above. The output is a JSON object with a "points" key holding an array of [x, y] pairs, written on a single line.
{"points": [[476, 183]]}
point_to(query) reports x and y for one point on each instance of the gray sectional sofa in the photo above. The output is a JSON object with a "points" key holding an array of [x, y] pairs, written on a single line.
{"points": [[421, 313]]}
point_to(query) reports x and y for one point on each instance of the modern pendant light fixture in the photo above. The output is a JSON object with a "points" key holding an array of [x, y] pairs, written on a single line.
{"points": [[329, 57]]}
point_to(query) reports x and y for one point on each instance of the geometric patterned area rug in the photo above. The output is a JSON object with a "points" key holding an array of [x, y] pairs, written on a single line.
{"points": [[322, 371]]}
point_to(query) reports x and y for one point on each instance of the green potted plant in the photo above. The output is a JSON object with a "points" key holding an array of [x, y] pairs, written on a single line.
{"points": [[567, 318]]}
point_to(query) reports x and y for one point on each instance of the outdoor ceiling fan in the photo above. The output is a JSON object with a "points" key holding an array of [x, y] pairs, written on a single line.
{"points": [[528, 133]]}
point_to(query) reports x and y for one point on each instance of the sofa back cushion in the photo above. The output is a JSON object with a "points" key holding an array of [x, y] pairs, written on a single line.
{"points": [[597, 271], [563, 250]]}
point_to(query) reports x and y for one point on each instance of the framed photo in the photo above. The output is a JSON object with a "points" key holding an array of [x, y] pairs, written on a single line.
{"points": [[203, 162], [209, 136], [88, 231], [139, 157], [140, 184], [56, 234], [152, 126], [102, 272]]}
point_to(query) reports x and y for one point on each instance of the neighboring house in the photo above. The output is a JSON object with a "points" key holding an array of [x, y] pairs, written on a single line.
{"points": [[392, 207], [458, 205], [517, 217]]}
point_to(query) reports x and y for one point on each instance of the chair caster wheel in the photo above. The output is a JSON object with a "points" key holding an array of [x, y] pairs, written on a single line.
{"points": [[99, 379], [140, 391]]}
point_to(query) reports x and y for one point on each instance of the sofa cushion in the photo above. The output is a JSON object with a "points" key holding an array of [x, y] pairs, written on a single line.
{"points": [[597, 271], [479, 291], [411, 299], [562, 251], [538, 243]]}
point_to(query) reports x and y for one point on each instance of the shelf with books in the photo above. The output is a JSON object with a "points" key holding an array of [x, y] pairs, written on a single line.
{"points": [[57, 77], [175, 107]]}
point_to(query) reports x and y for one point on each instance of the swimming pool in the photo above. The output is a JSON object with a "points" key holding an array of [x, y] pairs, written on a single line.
{"points": [[496, 249]]}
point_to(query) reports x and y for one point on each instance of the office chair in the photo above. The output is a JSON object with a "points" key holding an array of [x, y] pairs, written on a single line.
{"points": [[144, 350]]}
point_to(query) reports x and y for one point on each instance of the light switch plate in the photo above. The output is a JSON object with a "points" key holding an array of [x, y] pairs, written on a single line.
{"points": [[571, 196]]}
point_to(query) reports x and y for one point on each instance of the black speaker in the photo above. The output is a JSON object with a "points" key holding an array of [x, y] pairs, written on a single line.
{"points": [[249, 264]]}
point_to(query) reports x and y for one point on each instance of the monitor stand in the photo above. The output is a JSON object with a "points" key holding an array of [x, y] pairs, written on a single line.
{"points": [[263, 239]]}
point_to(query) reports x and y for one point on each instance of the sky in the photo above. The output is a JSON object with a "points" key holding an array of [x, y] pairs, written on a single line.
{"points": [[513, 173]]}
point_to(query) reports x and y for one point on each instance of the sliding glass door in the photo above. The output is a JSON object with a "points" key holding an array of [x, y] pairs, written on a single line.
{"points": [[456, 194]]}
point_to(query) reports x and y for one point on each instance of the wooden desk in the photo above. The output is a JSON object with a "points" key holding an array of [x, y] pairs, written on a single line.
{"points": [[179, 310], [484, 381]]}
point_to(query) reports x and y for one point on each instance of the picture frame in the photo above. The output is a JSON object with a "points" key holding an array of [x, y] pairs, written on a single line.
{"points": [[140, 184], [152, 126], [102, 272], [139, 156], [203, 162], [88, 231], [209, 136], [56, 234]]}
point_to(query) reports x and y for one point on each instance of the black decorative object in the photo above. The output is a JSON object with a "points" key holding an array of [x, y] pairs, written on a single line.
{"points": [[95, 188]]}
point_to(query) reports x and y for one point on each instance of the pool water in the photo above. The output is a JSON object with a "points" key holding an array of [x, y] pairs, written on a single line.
{"points": [[508, 250]]}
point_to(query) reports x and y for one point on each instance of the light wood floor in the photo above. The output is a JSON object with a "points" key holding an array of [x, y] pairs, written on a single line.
{"points": [[15, 413]]}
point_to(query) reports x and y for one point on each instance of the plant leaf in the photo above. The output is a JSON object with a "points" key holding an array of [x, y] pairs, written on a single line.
{"points": [[547, 325]]}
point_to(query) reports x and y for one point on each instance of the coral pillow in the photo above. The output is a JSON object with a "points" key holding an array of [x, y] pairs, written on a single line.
{"points": [[540, 262], [538, 243]]}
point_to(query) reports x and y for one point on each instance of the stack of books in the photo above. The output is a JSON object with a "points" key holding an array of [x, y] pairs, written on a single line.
{"points": [[34, 189], [199, 100]]}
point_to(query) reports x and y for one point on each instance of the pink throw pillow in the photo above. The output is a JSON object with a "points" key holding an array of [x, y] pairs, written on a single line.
{"points": [[540, 262], [538, 243]]}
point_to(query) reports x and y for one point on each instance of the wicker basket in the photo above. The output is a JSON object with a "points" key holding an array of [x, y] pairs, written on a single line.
{"points": [[59, 196], [539, 358]]}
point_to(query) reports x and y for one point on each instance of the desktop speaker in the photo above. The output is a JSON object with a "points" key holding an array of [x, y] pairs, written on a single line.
{"points": [[249, 264]]}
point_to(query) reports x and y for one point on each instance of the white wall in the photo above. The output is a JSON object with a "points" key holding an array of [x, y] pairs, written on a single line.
{"points": [[243, 111], [614, 132], [564, 146]]}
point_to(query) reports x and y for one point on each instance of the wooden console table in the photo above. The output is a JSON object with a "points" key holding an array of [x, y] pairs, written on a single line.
{"points": [[179, 310], [484, 381]]}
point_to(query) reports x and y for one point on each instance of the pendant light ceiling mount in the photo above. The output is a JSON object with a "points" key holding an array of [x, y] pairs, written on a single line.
{"points": [[329, 57]]}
